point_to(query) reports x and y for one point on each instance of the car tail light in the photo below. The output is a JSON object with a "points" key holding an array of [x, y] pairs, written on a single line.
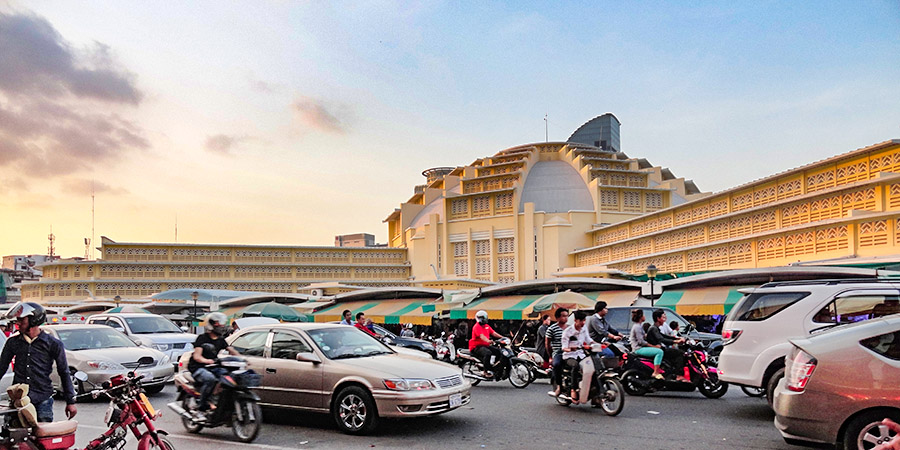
{"points": [[802, 367], [729, 336]]}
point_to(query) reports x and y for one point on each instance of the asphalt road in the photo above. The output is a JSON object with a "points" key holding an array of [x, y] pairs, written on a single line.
{"points": [[501, 416]]}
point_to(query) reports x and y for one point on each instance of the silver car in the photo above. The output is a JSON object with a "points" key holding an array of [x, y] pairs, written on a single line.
{"points": [[102, 352], [839, 386]]}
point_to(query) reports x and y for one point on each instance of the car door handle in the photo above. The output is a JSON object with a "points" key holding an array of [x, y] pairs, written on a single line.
{"points": [[270, 370]]}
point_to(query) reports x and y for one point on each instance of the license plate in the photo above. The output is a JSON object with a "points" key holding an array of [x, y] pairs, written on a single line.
{"points": [[455, 400]]}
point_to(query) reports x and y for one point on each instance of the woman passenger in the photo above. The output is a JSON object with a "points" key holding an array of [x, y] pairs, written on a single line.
{"points": [[639, 343]]}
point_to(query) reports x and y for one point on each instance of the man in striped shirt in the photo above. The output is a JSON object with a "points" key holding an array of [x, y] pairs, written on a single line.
{"points": [[553, 343]]}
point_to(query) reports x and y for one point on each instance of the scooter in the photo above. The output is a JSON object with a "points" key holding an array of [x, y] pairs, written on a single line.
{"points": [[517, 370], [539, 367], [235, 404], [606, 391], [445, 349], [637, 373]]}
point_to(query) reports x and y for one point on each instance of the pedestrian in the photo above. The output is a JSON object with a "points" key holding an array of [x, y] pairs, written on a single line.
{"points": [[540, 346], [35, 352]]}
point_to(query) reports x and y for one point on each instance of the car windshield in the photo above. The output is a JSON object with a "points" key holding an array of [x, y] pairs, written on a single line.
{"points": [[92, 338], [347, 342], [151, 324]]}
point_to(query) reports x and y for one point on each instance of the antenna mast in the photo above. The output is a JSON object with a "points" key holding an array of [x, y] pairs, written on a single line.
{"points": [[176, 228], [88, 243], [50, 237], [546, 128]]}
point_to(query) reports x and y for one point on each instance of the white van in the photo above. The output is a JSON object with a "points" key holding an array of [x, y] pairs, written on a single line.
{"points": [[757, 330]]}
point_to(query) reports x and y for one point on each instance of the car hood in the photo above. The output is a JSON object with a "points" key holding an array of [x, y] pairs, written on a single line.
{"points": [[401, 366], [167, 338], [119, 354]]}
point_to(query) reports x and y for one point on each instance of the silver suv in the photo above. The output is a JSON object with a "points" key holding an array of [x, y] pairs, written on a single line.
{"points": [[149, 330], [757, 330]]}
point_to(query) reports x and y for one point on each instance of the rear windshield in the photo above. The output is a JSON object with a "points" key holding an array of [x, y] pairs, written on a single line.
{"points": [[756, 307]]}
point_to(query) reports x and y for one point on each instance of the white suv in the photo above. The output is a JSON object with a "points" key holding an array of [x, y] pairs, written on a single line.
{"points": [[757, 330]]}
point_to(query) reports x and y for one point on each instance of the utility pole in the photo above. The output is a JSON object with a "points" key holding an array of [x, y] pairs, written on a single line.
{"points": [[92, 222], [546, 129]]}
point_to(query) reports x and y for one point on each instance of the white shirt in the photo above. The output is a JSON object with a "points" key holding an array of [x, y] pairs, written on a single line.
{"points": [[666, 330], [581, 337]]}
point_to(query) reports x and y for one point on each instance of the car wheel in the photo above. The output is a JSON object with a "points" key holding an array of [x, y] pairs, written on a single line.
{"points": [[153, 390], [771, 385], [865, 432], [354, 411], [754, 391]]}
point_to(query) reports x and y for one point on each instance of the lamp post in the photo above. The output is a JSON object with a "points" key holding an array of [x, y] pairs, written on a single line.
{"points": [[194, 296], [651, 274], [117, 299]]}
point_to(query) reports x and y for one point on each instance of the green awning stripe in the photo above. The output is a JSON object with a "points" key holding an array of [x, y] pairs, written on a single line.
{"points": [[669, 298], [458, 314], [733, 297], [328, 308], [365, 307], [516, 312], [591, 295], [395, 317], [429, 308]]}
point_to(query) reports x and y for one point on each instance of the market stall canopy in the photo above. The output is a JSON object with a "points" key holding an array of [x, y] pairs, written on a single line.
{"points": [[712, 300], [126, 309], [502, 307], [406, 310], [549, 303], [274, 310], [614, 298]]}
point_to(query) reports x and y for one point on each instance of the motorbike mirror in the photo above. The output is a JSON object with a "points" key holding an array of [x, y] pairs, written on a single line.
{"points": [[308, 357], [81, 376]]}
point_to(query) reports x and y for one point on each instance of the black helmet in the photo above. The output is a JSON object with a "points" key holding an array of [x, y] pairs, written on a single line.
{"points": [[35, 313]]}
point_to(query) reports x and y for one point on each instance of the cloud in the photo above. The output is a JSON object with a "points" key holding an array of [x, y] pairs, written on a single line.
{"points": [[224, 144], [81, 186], [316, 114], [38, 61], [60, 108], [263, 86]]}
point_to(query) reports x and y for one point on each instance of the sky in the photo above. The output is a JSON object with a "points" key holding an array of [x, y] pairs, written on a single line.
{"points": [[288, 123]]}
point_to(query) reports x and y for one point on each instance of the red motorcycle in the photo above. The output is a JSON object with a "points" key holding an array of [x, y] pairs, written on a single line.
{"points": [[128, 408]]}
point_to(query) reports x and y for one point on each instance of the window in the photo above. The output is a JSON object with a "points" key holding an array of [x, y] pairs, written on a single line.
{"points": [[755, 307], [252, 343], [287, 345], [854, 308], [887, 345]]}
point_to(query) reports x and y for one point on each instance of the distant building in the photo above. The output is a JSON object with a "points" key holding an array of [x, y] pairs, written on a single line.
{"points": [[25, 263], [601, 131], [355, 240]]}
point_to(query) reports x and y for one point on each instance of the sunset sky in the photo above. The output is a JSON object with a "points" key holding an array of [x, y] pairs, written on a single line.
{"points": [[291, 122]]}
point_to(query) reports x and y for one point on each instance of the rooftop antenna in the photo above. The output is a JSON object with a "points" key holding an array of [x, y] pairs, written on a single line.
{"points": [[51, 249], [546, 128], [87, 248], [176, 228], [88, 242]]}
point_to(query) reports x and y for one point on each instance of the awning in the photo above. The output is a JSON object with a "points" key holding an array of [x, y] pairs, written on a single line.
{"points": [[506, 307], [566, 299], [408, 310], [311, 307], [614, 298], [715, 300]]}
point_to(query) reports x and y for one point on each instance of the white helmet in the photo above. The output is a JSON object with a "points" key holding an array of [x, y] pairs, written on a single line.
{"points": [[409, 325], [215, 322], [481, 316]]}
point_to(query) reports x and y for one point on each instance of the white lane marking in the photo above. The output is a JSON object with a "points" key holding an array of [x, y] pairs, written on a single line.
{"points": [[201, 439]]}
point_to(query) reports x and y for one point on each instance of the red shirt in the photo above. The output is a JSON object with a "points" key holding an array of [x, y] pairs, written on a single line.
{"points": [[480, 330], [366, 330]]}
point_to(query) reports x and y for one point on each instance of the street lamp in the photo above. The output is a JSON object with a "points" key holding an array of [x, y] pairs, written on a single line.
{"points": [[651, 274], [194, 296], [117, 299]]}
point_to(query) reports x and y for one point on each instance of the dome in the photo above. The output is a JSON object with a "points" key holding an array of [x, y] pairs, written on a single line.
{"points": [[556, 187]]}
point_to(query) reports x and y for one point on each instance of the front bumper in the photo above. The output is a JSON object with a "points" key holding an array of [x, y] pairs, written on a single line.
{"points": [[419, 403], [153, 376]]}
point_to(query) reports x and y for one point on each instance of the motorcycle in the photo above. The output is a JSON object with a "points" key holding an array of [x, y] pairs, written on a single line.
{"points": [[539, 367], [517, 370], [637, 373], [445, 349], [606, 392], [235, 404]]}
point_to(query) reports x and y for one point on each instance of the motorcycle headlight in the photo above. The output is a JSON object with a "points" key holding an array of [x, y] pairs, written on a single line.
{"points": [[403, 384], [106, 365]]}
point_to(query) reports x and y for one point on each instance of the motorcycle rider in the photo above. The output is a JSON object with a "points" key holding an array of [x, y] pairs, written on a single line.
{"points": [[553, 343], [408, 331], [35, 352], [655, 337], [599, 329], [480, 344], [206, 348], [576, 337]]}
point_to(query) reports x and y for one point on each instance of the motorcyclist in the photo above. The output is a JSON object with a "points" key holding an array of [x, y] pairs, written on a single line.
{"points": [[599, 329], [35, 352], [656, 337], [206, 348], [553, 342], [480, 344], [575, 337], [408, 331]]}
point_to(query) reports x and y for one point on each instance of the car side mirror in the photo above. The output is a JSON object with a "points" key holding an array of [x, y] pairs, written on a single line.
{"points": [[308, 357], [387, 340], [185, 328]]}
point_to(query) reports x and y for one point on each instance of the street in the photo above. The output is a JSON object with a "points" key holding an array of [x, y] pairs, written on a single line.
{"points": [[500, 416]]}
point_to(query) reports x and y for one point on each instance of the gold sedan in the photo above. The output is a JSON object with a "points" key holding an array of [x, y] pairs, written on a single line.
{"points": [[340, 370]]}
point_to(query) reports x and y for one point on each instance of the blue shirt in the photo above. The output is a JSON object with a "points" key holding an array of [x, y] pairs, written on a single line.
{"points": [[34, 363]]}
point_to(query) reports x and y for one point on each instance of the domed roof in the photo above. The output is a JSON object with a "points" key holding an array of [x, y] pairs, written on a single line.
{"points": [[556, 187]]}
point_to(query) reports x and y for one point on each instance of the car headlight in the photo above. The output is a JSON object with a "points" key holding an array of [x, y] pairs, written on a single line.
{"points": [[106, 365], [161, 347], [403, 384], [164, 360]]}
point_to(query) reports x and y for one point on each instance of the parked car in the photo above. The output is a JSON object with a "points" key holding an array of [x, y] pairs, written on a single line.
{"points": [[149, 330], [404, 342], [101, 352], [757, 330], [840, 385], [340, 370]]}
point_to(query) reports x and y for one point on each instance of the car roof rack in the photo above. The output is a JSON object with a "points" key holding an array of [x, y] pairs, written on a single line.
{"points": [[831, 282]]}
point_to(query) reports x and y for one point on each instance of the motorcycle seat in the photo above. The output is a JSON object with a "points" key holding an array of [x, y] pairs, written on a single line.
{"points": [[463, 352], [60, 428]]}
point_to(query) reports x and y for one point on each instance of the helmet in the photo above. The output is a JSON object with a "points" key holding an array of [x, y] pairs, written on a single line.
{"points": [[481, 316], [35, 313], [215, 322], [409, 325]]}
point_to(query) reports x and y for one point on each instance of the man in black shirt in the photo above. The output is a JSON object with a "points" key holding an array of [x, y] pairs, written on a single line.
{"points": [[206, 349], [35, 352], [655, 337]]}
